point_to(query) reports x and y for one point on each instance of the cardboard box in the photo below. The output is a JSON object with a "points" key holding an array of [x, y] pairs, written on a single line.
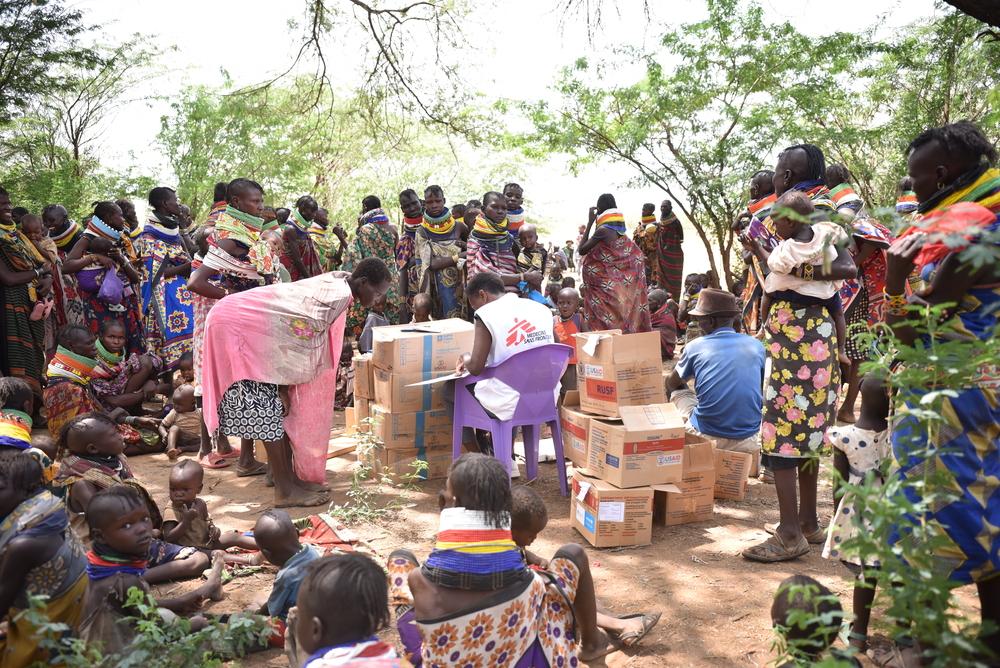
{"points": [[398, 464], [615, 370], [691, 499], [608, 516], [362, 410], [392, 391], [364, 376], [406, 431], [424, 347], [731, 472], [755, 466], [574, 424], [645, 448]]}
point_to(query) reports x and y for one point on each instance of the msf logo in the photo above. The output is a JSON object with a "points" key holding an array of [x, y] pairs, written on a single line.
{"points": [[518, 334]]}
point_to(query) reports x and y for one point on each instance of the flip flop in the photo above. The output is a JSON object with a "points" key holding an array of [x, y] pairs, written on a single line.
{"points": [[234, 453], [610, 647], [632, 638], [817, 537], [259, 468], [173, 454], [774, 549], [213, 461]]}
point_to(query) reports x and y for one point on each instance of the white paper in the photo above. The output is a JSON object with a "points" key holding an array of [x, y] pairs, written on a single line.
{"points": [[590, 347], [440, 379], [581, 514], [611, 511], [584, 488]]}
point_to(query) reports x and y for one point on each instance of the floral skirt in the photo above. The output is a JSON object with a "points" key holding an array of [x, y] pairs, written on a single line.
{"points": [[800, 390], [250, 409]]}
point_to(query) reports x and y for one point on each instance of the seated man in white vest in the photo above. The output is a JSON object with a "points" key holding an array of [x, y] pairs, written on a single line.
{"points": [[505, 326]]}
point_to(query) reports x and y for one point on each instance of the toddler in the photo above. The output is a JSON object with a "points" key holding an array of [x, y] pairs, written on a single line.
{"points": [[807, 616], [422, 307], [122, 380], [181, 429], [859, 450], [278, 540], [565, 326], [37, 234], [663, 320], [187, 522], [803, 245], [184, 375], [532, 258]]}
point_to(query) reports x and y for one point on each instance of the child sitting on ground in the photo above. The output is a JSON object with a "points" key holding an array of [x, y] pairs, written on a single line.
{"points": [[181, 429], [528, 518], [122, 533], [808, 245], [422, 307], [184, 375], [92, 460], [532, 258], [278, 540], [662, 320], [39, 556], [343, 634], [122, 380], [807, 616], [565, 326], [859, 450], [693, 284], [16, 402], [186, 520]]}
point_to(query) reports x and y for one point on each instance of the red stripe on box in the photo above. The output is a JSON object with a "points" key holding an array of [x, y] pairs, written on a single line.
{"points": [[602, 389], [661, 445], [574, 429]]}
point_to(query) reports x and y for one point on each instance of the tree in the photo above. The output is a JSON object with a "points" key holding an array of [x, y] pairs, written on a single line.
{"points": [[710, 110], [36, 38]]}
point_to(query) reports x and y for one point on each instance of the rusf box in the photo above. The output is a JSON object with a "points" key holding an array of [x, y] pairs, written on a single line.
{"points": [[608, 516], [691, 499], [615, 370], [731, 472], [364, 376], [406, 431], [393, 391], [421, 348], [644, 449], [574, 424]]}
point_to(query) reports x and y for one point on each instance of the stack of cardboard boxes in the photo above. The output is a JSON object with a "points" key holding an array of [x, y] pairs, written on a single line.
{"points": [[634, 463], [411, 422]]}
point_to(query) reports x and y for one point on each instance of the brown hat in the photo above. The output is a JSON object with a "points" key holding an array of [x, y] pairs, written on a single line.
{"points": [[715, 302]]}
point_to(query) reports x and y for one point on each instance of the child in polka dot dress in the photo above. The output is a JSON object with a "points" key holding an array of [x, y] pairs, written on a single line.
{"points": [[859, 450]]}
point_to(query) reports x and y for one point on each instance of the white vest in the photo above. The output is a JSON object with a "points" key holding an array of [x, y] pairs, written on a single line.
{"points": [[516, 325]]}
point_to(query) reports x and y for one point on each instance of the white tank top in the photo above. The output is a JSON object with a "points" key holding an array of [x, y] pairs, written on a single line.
{"points": [[516, 325]]}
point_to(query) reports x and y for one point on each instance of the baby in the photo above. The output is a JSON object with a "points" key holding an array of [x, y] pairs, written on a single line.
{"points": [[184, 375], [422, 307], [808, 246], [532, 259], [565, 326], [186, 520], [31, 227], [181, 429], [278, 540], [528, 518]]}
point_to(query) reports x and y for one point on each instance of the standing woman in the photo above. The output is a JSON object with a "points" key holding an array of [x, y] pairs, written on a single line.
{"points": [[300, 255], [105, 247], [166, 302], [613, 273], [376, 237], [23, 278], [669, 237], [958, 188], [491, 247], [270, 367]]}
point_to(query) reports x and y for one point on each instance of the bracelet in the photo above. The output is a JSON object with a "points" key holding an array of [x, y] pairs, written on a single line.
{"points": [[807, 272], [38, 272], [895, 304]]}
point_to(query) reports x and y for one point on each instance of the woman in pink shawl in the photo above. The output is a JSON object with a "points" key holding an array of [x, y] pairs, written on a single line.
{"points": [[270, 367]]}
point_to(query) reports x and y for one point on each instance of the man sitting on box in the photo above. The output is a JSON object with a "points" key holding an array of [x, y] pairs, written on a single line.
{"points": [[728, 372], [505, 325]]}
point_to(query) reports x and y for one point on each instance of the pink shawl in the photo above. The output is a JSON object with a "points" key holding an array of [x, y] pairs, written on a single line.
{"points": [[284, 334]]}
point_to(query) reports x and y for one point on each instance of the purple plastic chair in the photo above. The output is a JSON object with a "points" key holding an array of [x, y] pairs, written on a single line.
{"points": [[533, 374]]}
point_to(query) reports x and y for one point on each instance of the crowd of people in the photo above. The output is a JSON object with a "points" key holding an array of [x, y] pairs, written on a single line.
{"points": [[125, 338]]}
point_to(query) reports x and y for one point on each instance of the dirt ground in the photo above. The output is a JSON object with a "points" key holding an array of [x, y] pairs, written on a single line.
{"points": [[715, 604]]}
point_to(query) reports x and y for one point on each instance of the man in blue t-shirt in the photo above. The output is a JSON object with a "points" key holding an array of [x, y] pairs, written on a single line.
{"points": [[728, 372]]}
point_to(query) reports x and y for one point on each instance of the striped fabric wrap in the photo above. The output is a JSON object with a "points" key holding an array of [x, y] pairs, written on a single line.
{"points": [[761, 208], [472, 554], [907, 202], [375, 216], [98, 228], [15, 429], [515, 219], [103, 562], [613, 219], [64, 238], [843, 195], [67, 364]]}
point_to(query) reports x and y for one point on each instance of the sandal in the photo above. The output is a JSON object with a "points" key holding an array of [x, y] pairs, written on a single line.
{"points": [[766, 476], [173, 454], [258, 468], [817, 537], [774, 549], [234, 453], [632, 638], [213, 461]]}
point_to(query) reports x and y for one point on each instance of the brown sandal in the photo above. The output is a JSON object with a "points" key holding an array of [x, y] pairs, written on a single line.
{"points": [[774, 549], [817, 537]]}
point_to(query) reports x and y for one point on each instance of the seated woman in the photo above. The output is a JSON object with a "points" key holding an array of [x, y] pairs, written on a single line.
{"points": [[70, 393], [39, 555], [123, 380], [475, 601]]}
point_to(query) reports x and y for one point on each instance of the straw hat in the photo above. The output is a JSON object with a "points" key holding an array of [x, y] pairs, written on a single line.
{"points": [[715, 302]]}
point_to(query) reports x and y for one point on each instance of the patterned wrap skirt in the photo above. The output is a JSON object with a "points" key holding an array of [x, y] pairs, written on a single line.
{"points": [[251, 409]]}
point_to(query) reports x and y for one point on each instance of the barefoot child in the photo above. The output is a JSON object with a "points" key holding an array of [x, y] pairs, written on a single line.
{"points": [[92, 461], [39, 555], [532, 258], [804, 247], [122, 380], [181, 429], [662, 319], [807, 616], [859, 450], [528, 518], [187, 522], [278, 540], [122, 533], [321, 635], [565, 326]]}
